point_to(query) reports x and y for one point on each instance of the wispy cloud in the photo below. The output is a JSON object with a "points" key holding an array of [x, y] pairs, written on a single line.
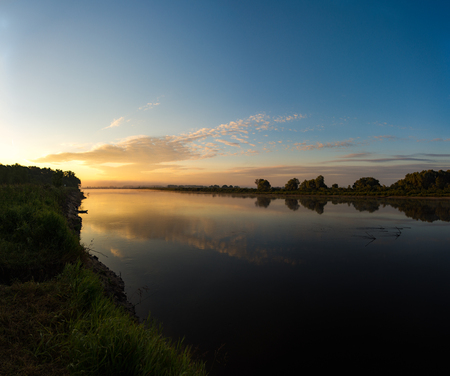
{"points": [[140, 154], [149, 105], [386, 137], [140, 150], [284, 119], [388, 159], [327, 145], [356, 155], [115, 123], [235, 144], [417, 157], [437, 155]]}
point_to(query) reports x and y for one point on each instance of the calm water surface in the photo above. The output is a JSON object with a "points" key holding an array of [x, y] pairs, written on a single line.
{"points": [[274, 286]]}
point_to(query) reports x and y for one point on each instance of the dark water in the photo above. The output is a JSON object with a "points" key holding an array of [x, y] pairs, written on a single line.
{"points": [[275, 286]]}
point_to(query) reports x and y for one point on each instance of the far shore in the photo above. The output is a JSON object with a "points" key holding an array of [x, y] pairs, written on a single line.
{"points": [[282, 195]]}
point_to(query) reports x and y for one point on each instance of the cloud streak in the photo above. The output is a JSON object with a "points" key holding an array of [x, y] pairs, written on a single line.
{"points": [[149, 105], [327, 145], [115, 123], [140, 150], [284, 119]]}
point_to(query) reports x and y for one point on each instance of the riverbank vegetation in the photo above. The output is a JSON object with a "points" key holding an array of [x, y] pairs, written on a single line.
{"points": [[55, 318], [428, 183]]}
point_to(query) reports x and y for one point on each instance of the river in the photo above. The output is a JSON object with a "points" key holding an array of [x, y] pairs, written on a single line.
{"points": [[276, 286]]}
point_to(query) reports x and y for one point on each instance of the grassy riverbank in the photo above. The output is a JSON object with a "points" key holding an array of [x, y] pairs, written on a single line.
{"points": [[54, 316]]}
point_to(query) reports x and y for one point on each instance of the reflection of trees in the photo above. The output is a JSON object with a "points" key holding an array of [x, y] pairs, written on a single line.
{"points": [[313, 203], [292, 203], [369, 205], [263, 202], [424, 210], [361, 204]]}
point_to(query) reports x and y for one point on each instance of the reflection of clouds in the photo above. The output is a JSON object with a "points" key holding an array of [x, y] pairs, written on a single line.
{"points": [[116, 252], [199, 232]]}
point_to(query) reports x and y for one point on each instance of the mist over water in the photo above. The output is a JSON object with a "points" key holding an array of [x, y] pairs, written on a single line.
{"points": [[264, 285]]}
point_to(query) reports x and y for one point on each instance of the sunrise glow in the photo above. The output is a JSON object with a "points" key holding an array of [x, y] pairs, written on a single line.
{"points": [[205, 92]]}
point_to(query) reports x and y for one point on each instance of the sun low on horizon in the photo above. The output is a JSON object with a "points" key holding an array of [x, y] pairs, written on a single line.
{"points": [[208, 92]]}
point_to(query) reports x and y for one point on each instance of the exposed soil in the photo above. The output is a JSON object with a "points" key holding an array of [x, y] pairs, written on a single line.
{"points": [[113, 284]]}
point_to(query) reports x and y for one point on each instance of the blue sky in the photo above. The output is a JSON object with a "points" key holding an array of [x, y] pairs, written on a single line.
{"points": [[224, 92]]}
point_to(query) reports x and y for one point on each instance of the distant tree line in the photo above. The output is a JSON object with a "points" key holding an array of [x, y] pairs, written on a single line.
{"points": [[425, 183], [17, 174]]}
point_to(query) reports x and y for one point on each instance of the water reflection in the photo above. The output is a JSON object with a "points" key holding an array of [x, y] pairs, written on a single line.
{"points": [[263, 202], [292, 203], [260, 273], [427, 210], [231, 228]]}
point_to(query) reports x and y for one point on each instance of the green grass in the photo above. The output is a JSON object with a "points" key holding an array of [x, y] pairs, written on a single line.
{"points": [[35, 239], [104, 340], [54, 316], [68, 326]]}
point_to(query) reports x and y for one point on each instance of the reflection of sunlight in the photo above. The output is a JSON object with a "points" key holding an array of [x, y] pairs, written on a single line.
{"points": [[225, 226], [100, 228], [116, 252]]}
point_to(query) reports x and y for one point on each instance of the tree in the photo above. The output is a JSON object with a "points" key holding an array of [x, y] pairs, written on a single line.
{"points": [[313, 184], [366, 183], [57, 178], [320, 182], [262, 185], [292, 185], [70, 180]]}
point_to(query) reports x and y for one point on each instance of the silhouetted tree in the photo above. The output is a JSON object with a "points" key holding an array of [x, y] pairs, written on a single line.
{"points": [[320, 182], [262, 185], [57, 178], [426, 179], [366, 183], [313, 184], [292, 185]]}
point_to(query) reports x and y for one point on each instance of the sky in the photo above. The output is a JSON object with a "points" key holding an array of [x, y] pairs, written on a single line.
{"points": [[225, 92]]}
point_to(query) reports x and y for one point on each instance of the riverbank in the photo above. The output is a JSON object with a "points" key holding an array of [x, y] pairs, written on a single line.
{"points": [[77, 321], [303, 195], [321, 193], [113, 284]]}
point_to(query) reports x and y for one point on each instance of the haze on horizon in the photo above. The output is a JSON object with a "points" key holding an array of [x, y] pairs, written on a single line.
{"points": [[206, 92]]}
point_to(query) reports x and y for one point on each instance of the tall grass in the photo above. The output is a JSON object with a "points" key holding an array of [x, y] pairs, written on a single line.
{"points": [[35, 239], [105, 340]]}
